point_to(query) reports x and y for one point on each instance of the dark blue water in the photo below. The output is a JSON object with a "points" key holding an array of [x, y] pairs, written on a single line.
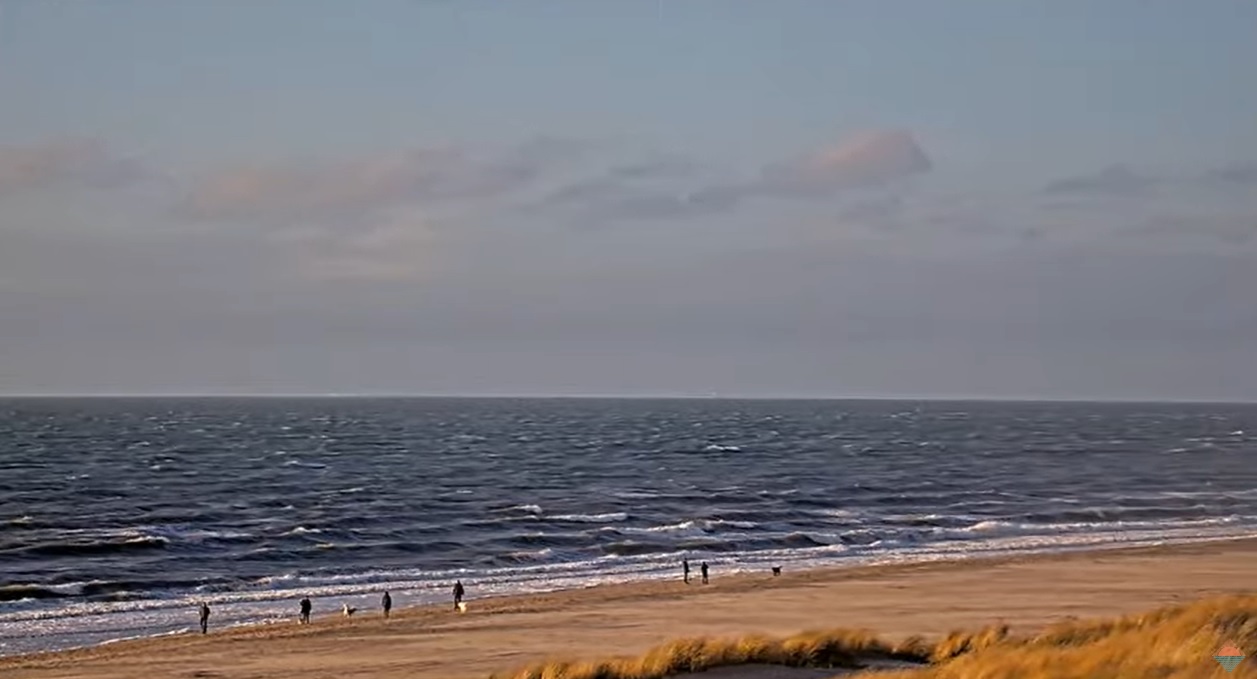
{"points": [[116, 514]]}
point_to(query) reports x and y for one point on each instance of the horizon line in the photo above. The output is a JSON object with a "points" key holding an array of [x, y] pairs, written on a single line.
{"points": [[957, 398]]}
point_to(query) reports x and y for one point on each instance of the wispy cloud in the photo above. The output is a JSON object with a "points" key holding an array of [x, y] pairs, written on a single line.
{"points": [[1232, 230], [1238, 175], [664, 166], [869, 160], [369, 218], [338, 190], [64, 163], [1117, 180], [399, 247]]}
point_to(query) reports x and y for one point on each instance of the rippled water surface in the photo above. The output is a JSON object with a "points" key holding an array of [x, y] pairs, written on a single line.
{"points": [[116, 515]]}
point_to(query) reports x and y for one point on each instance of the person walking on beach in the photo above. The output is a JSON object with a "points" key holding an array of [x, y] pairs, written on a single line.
{"points": [[685, 569], [204, 609], [305, 610], [386, 603], [702, 568], [458, 593]]}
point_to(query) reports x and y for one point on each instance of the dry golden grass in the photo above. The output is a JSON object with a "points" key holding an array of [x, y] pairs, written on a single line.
{"points": [[1170, 643], [833, 648]]}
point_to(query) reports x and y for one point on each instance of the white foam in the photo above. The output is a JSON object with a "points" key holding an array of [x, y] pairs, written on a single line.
{"points": [[610, 517], [34, 626]]}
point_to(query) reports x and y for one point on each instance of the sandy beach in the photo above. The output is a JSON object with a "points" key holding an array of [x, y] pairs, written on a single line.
{"points": [[497, 635]]}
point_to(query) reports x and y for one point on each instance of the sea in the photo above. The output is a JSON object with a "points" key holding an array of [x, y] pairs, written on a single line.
{"points": [[118, 516]]}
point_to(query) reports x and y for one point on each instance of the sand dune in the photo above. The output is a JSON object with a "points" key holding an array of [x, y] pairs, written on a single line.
{"points": [[501, 634]]}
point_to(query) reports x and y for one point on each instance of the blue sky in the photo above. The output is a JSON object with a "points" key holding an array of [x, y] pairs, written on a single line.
{"points": [[1060, 83], [195, 149]]}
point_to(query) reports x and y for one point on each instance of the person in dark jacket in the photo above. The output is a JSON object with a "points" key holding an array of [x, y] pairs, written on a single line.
{"points": [[685, 570], [702, 568], [459, 592], [386, 603], [205, 613], [306, 606]]}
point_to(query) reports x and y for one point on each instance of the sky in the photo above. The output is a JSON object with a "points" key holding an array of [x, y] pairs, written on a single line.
{"points": [[1043, 199]]}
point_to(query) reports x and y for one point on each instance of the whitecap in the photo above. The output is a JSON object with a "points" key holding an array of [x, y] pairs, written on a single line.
{"points": [[529, 509], [610, 517]]}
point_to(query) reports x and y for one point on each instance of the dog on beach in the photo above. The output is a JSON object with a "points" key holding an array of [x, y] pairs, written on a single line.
{"points": [[776, 571], [462, 607], [348, 611]]}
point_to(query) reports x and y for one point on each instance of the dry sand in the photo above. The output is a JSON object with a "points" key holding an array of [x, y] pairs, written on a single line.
{"points": [[500, 634]]}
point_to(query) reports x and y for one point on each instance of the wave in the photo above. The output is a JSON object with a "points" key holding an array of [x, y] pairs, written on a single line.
{"points": [[102, 548], [102, 589], [523, 557], [991, 527], [636, 494], [634, 548], [307, 465], [610, 517], [530, 509], [542, 540], [21, 522], [131, 588], [695, 526], [25, 592]]}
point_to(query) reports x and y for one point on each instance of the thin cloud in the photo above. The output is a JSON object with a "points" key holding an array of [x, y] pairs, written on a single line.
{"points": [[882, 213], [331, 191], [1115, 180], [1239, 175], [64, 163], [656, 168], [1231, 230], [399, 248], [869, 160]]}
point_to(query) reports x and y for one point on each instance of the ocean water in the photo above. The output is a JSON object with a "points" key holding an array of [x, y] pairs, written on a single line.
{"points": [[117, 515]]}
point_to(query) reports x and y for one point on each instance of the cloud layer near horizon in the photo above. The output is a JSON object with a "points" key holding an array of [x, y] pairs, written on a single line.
{"points": [[452, 252]]}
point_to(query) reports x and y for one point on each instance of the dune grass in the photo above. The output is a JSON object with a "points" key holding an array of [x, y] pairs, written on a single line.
{"points": [[840, 648], [1176, 642]]}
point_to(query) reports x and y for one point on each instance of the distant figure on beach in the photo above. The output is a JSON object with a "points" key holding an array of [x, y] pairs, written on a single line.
{"points": [[685, 569], [204, 617], [776, 571], [702, 569], [347, 610], [305, 610], [458, 593], [386, 603]]}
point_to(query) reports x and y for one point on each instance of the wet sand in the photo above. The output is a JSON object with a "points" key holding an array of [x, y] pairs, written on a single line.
{"points": [[497, 635]]}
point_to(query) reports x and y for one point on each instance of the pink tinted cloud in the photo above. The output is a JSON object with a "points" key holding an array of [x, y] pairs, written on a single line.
{"points": [[869, 159], [64, 163], [330, 190], [295, 191]]}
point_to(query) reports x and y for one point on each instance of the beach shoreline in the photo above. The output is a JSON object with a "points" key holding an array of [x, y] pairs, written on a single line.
{"points": [[930, 598]]}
